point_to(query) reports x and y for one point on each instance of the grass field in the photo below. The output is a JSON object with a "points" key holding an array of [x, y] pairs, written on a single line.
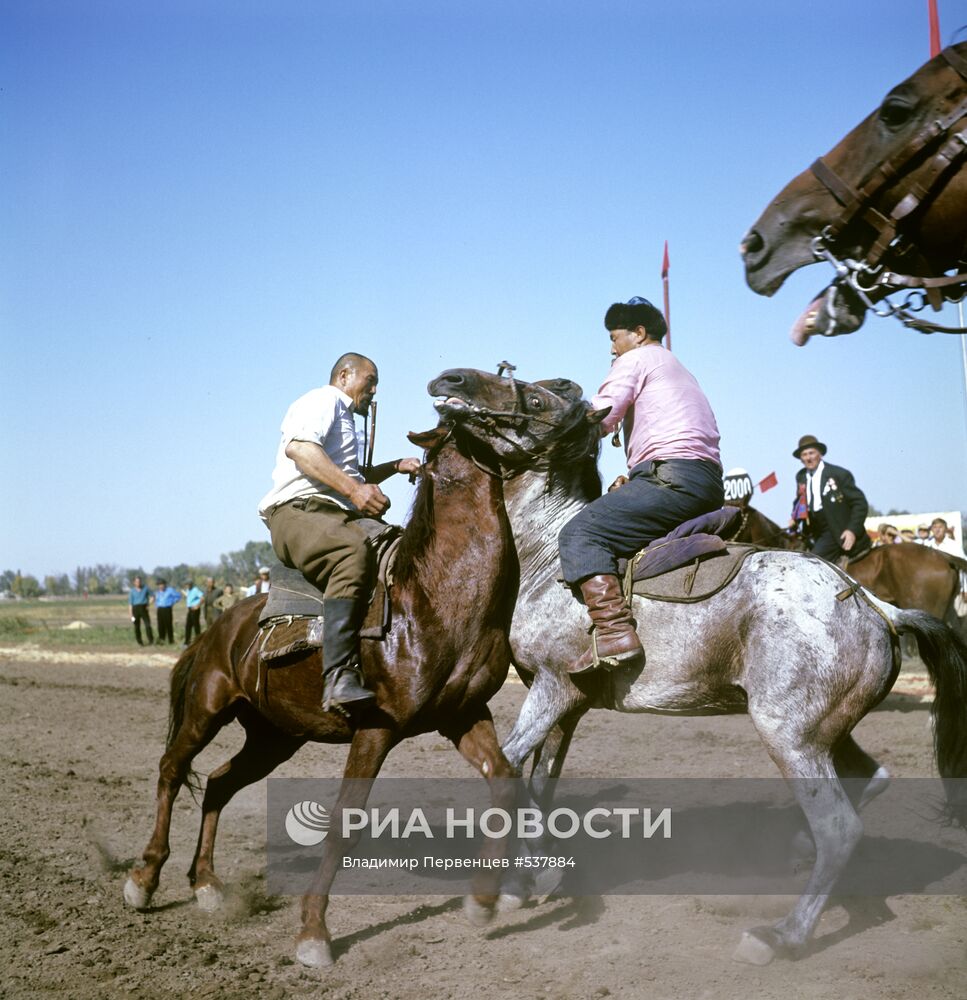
{"points": [[46, 622]]}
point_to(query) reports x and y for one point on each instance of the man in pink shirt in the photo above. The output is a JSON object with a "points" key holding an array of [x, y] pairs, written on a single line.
{"points": [[675, 473]]}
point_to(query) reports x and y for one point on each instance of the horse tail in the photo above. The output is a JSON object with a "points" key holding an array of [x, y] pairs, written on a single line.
{"points": [[178, 699], [945, 654]]}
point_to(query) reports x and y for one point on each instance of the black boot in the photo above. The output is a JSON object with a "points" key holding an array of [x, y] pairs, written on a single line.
{"points": [[342, 678]]}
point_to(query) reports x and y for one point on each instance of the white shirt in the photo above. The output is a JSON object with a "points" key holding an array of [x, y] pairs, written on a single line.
{"points": [[814, 494], [947, 545], [323, 417]]}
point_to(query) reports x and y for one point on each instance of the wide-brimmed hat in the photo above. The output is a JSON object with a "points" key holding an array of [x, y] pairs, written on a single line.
{"points": [[808, 441]]}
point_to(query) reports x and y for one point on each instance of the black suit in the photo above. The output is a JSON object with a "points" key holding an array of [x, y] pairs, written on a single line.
{"points": [[844, 507]]}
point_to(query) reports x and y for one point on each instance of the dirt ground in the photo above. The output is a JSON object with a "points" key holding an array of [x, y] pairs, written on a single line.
{"points": [[82, 738]]}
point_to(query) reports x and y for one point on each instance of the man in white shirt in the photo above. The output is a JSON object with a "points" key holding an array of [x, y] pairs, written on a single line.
{"points": [[318, 493], [939, 538]]}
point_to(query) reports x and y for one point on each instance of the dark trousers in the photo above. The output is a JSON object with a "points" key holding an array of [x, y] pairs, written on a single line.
{"points": [[139, 612], [825, 542], [192, 623], [658, 496], [166, 630]]}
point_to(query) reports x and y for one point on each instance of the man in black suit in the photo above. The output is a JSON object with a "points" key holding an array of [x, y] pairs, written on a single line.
{"points": [[830, 503]]}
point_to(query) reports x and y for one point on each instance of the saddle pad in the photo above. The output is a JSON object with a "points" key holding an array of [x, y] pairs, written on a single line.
{"points": [[283, 637], [704, 576]]}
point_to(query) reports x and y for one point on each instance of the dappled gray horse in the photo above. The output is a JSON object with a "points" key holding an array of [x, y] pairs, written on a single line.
{"points": [[775, 643]]}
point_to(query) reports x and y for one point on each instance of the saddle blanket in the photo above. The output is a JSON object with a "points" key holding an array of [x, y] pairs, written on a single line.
{"points": [[690, 563], [293, 601]]}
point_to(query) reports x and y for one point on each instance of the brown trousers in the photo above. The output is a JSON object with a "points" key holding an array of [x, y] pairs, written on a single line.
{"points": [[322, 541]]}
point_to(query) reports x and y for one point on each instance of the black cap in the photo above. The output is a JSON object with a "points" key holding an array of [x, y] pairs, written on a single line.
{"points": [[636, 312]]}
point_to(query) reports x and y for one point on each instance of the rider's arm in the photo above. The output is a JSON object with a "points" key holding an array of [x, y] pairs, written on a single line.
{"points": [[378, 473], [619, 391], [312, 461]]}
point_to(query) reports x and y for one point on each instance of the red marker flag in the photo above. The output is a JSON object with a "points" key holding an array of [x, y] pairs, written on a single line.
{"points": [[934, 28], [664, 263], [768, 482]]}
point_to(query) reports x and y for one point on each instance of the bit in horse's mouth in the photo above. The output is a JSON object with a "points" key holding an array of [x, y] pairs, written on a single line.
{"points": [[450, 404]]}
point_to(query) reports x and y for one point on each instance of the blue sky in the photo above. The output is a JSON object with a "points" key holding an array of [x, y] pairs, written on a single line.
{"points": [[205, 203]]}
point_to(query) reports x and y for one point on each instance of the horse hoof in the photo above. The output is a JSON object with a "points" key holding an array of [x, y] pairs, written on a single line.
{"points": [[209, 898], [314, 952], [477, 913], [135, 895], [507, 902], [752, 950]]}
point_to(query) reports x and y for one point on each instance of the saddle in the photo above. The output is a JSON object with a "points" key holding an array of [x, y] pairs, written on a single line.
{"points": [[293, 602], [692, 562]]}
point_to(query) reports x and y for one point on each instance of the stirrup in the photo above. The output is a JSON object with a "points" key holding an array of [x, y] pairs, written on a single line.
{"points": [[344, 686], [590, 661]]}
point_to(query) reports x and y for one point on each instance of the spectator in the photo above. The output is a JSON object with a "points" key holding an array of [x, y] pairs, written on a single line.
{"points": [[941, 539], [228, 599], [261, 584], [212, 593], [193, 602], [139, 596], [923, 534], [886, 535], [906, 535], [165, 599], [831, 504]]}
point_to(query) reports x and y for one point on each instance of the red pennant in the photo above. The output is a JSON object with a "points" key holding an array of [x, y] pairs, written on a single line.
{"points": [[934, 28], [768, 482], [664, 263]]}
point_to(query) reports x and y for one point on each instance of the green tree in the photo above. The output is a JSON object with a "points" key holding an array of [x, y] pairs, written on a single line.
{"points": [[240, 568], [25, 586]]}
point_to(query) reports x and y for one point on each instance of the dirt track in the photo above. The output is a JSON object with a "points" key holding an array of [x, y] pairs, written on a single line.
{"points": [[80, 754]]}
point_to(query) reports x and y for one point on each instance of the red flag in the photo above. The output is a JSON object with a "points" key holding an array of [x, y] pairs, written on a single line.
{"points": [[664, 285], [664, 263], [768, 482], [934, 28]]}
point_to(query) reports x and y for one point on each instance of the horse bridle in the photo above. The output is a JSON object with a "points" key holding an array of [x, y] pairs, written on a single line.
{"points": [[516, 417], [868, 275]]}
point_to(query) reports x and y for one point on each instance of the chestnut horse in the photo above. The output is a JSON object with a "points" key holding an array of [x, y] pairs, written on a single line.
{"points": [[445, 656], [907, 575], [887, 207], [776, 643]]}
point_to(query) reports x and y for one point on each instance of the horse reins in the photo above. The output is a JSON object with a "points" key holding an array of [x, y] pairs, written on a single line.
{"points": [[867, 276]]}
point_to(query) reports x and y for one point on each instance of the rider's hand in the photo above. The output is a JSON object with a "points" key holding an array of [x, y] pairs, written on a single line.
{"points": [[411, 466], [370, 499], [617, 484], [847, 540]]}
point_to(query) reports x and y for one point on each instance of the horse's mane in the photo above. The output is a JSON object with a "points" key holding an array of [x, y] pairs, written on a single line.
{"points": [[573, 465], [419, 529]]}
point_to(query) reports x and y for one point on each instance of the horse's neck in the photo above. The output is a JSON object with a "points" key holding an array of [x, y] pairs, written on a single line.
{"points": [[536, 518], [470, 550]]}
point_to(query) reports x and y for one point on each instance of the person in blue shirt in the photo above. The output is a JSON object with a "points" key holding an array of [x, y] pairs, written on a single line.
{"points": [[165, 598], [139, 597], [194, 598]]}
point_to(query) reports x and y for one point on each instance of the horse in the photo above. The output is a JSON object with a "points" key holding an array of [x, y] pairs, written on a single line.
{"points": [[776, 643], [887, 207], [445, 655], [907, 575]]}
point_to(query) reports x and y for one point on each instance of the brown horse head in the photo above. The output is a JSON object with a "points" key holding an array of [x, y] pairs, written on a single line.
{"points": [[526, 423], [893, 192]]}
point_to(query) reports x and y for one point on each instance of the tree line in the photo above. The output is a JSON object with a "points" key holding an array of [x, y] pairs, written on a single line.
{"points": [[237, 568]]}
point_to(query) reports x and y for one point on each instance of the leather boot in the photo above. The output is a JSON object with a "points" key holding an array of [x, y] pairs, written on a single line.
{"points": [[342, 678], [613, 634]]}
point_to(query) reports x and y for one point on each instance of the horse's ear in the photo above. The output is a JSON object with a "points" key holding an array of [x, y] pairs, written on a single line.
{"points": [[596, 416], [427, 439]]}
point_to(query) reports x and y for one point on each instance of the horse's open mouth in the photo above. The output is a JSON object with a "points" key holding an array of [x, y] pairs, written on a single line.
{"points": [[835, 311], [451, 406]]}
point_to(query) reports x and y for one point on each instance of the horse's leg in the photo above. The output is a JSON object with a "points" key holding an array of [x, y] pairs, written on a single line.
{"points": [[477, 742], [836, 830], [265, 748], [550, 698], [546, 767], [863, 779], [200, 720], [367, 752]]}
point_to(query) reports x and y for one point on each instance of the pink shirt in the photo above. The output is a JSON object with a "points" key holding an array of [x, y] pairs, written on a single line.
{"points": [[664, 412]]}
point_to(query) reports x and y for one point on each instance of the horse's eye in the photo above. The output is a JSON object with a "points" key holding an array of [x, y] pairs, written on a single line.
{"points": [[535, 403], [895, 112]]}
